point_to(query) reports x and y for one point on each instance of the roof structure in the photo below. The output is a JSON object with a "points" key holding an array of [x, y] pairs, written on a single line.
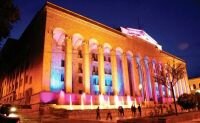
{"points": [[140, 34]]}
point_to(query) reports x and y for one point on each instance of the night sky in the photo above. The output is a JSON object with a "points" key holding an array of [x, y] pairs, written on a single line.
{"points": [[175, 24]]}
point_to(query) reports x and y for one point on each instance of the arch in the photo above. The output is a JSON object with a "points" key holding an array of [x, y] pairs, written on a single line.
{"points": [[146, 58], [119, 51], [93, 43], [129, 54], [77, 40], [59, 35], [107, 47]]}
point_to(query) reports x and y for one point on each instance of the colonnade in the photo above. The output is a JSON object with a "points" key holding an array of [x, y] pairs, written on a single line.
{"points": [[136, 78]]}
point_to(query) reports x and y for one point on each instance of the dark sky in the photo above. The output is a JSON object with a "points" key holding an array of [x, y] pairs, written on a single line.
{"points": [[175, 24]]}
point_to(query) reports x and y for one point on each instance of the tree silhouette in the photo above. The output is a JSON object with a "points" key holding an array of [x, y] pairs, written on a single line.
{"points": [[9, 14], [170, 75]]}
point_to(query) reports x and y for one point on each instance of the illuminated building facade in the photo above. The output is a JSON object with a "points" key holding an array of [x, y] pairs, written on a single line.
{"points": [[194, 84], [62, 56]]}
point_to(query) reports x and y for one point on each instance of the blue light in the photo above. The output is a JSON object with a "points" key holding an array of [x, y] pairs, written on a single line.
{"points": [[56, 83], [120, 76], [94, 84], [108, 84]]}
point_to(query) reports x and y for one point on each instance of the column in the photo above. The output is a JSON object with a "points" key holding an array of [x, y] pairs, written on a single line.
{"points": [[136, 77], [152, 74], [132, 77], [68, 65], [148, 79], [183, 85], [125, 74], [86, 67], [145, 80], [101, 69], [180, 88], [160, 90], [114, 71], [47, 58]]}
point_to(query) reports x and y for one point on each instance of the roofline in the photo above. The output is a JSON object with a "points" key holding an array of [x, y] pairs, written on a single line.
{"points": [[193, 78], [49, 4], [167, 53]]}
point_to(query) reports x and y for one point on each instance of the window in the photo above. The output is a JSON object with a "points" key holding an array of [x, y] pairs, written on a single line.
{"points": [[95, 81], [96, 92], [26, 79], [30, 80], [109, 59], [94, 57], [199, 85], [194, 86], [62, 78], [80, 79], [62, 63], [80, 55], [16, 85], [80, 70], [108, 83], [105, 59], [80, 91], [95, 70]]}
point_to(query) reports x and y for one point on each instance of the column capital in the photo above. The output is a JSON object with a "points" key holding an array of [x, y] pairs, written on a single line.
{"points": [[85, 42], [68, 38], [112, 51], [100, 46], [124, 54]]}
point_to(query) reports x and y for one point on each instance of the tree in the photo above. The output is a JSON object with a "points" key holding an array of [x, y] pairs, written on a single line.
{"points": [[9, 14], [197, 96], [187, 101], [170, 75]]}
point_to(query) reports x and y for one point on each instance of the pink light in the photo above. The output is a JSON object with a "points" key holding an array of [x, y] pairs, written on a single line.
{"points": [[47, 97], [61, 99]]}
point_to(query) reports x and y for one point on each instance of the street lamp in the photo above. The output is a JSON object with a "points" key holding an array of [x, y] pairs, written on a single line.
{"points": [[141, 91]]}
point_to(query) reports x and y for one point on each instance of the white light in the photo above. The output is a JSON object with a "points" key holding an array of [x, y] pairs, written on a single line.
{"points": [[140, 34], [140, 86], [13, 115], [13, 109], [198, 91]]}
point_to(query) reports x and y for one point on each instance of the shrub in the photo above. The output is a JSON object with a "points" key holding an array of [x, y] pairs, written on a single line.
{"points": [[187, 101]]}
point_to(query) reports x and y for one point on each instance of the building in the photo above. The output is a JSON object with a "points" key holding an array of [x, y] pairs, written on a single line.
{"points": [[65, 58], [194, 84]]}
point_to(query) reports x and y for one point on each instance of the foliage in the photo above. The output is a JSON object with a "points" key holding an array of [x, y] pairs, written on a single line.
{"points": [[170, 73], [197, 96], [187, 101], [9, 14]]}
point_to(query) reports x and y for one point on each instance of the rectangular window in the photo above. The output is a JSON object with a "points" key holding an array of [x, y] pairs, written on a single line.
{"points": [[30, 80], [80, 55], [96, 92], [80, 91], [80, 70], [16, 85], [80, 79], [26, 79], [109, 59], [62, 78], [62, 63], [94, 57]]}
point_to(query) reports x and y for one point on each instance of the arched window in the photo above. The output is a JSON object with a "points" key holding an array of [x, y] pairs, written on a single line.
{"points": [[194, 86]]}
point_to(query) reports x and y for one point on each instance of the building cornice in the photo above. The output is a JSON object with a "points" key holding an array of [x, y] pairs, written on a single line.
{"points": [[51, 5]]}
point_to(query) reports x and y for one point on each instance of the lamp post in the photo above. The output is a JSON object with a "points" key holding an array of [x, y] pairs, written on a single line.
{"points": [[141, 91]]}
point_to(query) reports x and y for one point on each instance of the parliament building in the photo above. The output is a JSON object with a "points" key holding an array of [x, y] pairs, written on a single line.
{"points": [[65, 58]]}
